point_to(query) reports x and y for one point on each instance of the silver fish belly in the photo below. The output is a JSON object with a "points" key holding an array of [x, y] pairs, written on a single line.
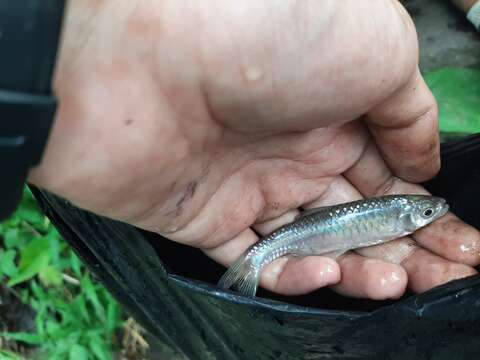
{"points": [[333, 230]]}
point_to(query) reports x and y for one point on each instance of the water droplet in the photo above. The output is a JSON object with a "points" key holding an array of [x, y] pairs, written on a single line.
{"points": [[329, 269], [465, 248], [395, 277], [253, 73]]}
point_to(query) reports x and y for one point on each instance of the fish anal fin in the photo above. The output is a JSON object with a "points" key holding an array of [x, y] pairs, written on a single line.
{"points": [[242, 276]]}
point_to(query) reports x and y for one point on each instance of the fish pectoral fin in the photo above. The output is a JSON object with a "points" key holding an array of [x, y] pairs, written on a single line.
{"points": [[408, 223], [334, 254], [311, 211]]}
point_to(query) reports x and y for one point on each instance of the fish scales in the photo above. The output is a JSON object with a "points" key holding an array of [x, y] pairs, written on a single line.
{"points": [[331, 226], [333, 230]]}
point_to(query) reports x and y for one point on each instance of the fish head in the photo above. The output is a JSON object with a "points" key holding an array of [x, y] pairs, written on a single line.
{"points": [[420, 210]]}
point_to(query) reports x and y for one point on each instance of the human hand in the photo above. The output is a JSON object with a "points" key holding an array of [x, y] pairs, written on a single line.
{"points": [[465, 5], [208, 122]]}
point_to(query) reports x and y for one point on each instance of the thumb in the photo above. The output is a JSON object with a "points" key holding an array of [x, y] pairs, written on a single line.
{"points": [[405, 128]]}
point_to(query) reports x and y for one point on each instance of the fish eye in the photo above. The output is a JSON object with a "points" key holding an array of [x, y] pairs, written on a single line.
{"points": [[428, 212]]}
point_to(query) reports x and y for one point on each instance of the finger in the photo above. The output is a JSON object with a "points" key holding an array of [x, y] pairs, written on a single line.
{"points": [[363, 277], [229, 251], [448, 236], [300, 275], [402, 251], [405, 127], [340, 191], [394, 251], [426, 270], [452, 239], [290, 276], [370, 278], [296, 275], [266, 227]]}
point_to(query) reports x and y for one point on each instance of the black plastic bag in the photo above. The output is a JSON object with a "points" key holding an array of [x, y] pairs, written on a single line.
{"points": [[169, 289]]}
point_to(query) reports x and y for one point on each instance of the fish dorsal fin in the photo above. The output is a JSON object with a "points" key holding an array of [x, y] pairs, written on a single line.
{"points": [[313, 211]]}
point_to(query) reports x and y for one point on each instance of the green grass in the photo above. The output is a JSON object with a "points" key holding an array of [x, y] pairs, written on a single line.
{"points": [[76, 318], [458, 95]]}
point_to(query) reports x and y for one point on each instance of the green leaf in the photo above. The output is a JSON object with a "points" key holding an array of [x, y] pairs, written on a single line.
{"points": [[33, 339], [13, 221], [27, 193], [7, 263], [75, 335], [99, 348], [80, 306], [91, 294], [59, 351], [31, 214], [40, 319], [11, 238], [56, 246], [75, 264], [32, 251], [71, 322], [32, 270], [19, 236], [78, 352], [29, 210], [39, 293], [32, 258], [50, 276], [54, 329], [113, 315], [8, 355], [458, 95]]}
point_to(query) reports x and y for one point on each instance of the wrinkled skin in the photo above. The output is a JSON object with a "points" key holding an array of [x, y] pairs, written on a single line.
{"points": [[211, 122]]}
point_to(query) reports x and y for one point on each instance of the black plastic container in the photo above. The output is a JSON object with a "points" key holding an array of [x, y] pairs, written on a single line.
{"points": [[169, 289]]}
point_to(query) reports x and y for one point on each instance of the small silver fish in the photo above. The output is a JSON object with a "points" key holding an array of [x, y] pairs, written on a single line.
{"points": [[333, 230]]}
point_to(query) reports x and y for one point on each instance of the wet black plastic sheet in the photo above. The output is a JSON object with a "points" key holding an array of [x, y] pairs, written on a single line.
{"points": [[169, 289]]}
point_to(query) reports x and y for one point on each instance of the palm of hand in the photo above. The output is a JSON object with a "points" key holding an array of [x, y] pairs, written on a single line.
{"points": [[204, 151], [252, 184]]}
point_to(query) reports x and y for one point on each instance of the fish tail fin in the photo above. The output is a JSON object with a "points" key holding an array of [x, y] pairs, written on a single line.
{"points": [[243, 276]]}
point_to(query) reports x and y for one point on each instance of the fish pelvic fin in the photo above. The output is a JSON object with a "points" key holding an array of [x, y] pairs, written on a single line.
{"points": [[243, 276]]}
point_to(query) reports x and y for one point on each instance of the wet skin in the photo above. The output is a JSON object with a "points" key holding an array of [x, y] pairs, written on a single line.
{"points": [[210, 122]]}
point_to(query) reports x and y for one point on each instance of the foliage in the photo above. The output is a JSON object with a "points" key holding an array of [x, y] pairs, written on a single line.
{"points": [[8, 355], [75, 317], [457, 92]]}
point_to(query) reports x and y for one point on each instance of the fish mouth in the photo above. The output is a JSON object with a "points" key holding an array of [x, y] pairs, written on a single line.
{"points": [[443, 208]]}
